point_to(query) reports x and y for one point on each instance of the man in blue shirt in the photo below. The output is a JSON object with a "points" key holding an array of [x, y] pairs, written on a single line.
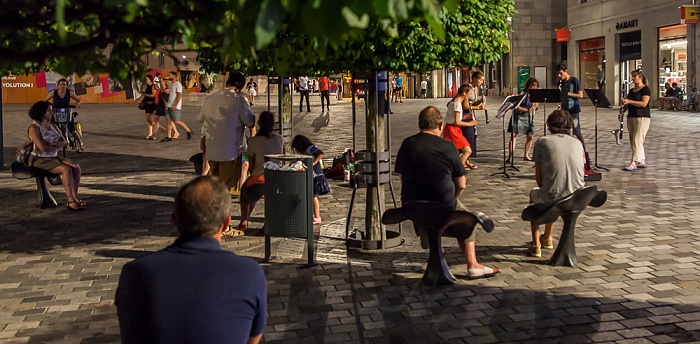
{"points": [[399, 88], [193, 291]]}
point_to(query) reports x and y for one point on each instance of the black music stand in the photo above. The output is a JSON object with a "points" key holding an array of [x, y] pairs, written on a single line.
{"points": [[510, 103], [549, 95], [599, 100]]}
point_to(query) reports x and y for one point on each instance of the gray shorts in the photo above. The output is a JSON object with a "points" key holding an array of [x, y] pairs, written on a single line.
{"points": [[173, 115]]}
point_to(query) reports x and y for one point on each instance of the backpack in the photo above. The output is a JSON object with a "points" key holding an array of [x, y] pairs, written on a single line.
{"points": [[24, 153]]}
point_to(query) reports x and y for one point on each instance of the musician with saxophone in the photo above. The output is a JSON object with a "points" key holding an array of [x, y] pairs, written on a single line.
{"points": [[638, 118]]}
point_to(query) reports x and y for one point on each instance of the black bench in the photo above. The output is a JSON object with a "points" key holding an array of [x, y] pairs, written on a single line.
{"points": [[44, 199], [436, 218], [569, 208]]}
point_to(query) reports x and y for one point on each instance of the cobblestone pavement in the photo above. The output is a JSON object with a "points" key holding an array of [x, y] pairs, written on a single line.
{"points": [[637, 279]]}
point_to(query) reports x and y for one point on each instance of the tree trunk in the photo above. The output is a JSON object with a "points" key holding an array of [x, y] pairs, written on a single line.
{"points": [[373, 223]]}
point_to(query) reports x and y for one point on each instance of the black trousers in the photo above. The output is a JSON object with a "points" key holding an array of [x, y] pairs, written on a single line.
{"points": [[325, 95], [304, 94]]}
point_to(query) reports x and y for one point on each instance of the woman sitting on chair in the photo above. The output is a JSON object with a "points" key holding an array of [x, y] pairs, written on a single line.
{"points": [[264, 142], [47, 141]]}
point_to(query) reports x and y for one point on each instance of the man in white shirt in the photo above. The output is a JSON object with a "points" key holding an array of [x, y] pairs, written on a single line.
{"points": [[173, 109], [225, 114], [303, 86], [423, 88]]}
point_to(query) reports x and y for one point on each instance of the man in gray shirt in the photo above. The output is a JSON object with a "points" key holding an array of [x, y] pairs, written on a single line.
{"points": [[559, 160]]}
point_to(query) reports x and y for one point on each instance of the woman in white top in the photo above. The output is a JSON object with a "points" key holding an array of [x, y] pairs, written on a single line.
{"points": [[47, 141], [454, 124]]}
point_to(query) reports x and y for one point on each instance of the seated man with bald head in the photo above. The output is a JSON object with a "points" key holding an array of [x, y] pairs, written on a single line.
{"points": [[193, 291], [431, 170]]}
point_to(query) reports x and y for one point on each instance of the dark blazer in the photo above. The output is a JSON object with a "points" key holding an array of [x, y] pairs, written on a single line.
{"points": [[191, 292]]}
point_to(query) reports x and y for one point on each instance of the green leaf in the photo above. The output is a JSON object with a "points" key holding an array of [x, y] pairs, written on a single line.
{"points": [[353, 20]]}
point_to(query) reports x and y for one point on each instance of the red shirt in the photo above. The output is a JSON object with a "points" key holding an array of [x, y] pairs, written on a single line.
{"points": [[323, 83]]}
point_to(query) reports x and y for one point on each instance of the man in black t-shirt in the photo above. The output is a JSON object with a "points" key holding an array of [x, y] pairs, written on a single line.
{"points": [[431, 170], [571, 93]]}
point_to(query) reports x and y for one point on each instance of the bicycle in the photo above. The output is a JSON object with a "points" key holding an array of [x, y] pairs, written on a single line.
{"points": [[63, 117]]}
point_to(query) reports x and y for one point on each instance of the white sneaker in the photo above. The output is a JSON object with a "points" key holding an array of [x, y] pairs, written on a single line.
{"points": [[631, 167]]}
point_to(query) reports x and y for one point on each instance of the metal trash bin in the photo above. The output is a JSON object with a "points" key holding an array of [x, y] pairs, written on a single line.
{"points": [[289, 202]]}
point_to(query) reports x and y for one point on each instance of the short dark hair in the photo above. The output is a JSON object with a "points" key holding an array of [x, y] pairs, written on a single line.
{"points": [[477, 74], [201, 207], [38, 110], [173, 74], [429, 118], [560, 68], [674, 84], [531, 82], [236, 80], [559, 122]]}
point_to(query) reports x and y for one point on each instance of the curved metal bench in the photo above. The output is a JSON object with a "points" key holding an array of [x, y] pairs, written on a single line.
{"points": [[44, 198], [569, 208], [436, 218]]}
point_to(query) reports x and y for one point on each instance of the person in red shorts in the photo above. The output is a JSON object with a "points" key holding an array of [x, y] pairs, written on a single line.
{"points": [[454, 124]]}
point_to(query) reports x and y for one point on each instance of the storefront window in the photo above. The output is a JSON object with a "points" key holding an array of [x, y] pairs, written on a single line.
{"points": [[592, 60], [673, 56]]}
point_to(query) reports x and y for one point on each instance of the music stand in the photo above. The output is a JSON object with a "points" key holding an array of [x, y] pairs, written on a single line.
{"points": [[599, 100], [548, 95], [510, 103]]}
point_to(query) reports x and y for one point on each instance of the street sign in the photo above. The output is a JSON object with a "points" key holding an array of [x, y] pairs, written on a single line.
{"points": [[689, 14]]}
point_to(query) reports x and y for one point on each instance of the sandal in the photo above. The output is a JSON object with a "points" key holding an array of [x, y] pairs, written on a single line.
{"points": [[232, 233], [527, 158], [472, 166], [76, 208], [151, 137], [81, 202]]}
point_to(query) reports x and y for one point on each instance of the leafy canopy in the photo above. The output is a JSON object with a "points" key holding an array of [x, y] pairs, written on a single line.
{"points": [[266, 36]]}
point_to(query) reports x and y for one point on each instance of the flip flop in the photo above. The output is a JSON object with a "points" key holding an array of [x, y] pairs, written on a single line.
{"points": [[232, 233], [484, 272]]}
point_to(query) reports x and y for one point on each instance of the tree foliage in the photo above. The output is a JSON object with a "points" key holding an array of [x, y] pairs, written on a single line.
{"points": [[113, 35], [474, 33]]}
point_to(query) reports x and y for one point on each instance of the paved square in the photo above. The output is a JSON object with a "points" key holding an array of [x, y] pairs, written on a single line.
{"points": [[638, 277]]}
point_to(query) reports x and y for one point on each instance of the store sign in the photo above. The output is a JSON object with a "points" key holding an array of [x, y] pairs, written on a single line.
{"points": [[631, 45], [689, 14], [626, 24], [14, 81]]}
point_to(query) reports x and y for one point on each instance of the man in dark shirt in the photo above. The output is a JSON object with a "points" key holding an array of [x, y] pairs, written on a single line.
{"points": [[571, 94], [193, 291], [431, 170]]}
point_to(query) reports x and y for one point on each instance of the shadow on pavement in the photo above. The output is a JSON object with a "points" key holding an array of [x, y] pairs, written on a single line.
{"points": [[106, 219], [380, 305]]}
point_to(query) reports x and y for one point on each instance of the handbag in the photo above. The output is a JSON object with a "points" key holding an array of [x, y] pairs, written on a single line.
{"points": [[142, 106], [24, 153]]}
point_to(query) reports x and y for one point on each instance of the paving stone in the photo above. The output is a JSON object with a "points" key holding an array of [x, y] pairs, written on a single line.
{"points": [[633, 283]]}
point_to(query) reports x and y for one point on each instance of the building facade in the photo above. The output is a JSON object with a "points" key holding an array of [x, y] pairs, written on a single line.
{"points": [[610, 38], [534, 51]]}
